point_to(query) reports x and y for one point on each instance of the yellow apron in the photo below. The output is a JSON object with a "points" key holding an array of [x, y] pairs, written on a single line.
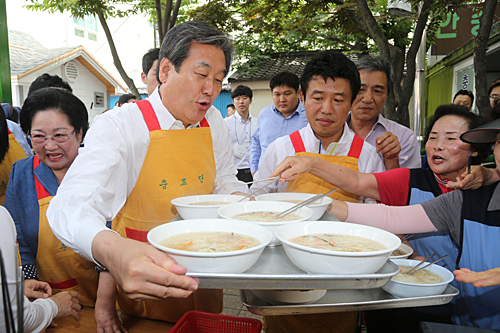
{"points": [[307, 183], [339, 322], [178, 163], [58, 265], [14, 154]]}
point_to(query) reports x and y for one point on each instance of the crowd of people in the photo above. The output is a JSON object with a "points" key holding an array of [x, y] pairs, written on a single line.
{"points": [[80, 201]]}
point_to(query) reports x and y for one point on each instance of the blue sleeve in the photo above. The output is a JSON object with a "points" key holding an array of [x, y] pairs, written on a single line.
{"points": [[255, 152], [14, 201]]}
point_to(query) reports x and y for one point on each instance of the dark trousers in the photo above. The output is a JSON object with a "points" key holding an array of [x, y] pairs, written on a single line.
{"points": [[245, 175]]}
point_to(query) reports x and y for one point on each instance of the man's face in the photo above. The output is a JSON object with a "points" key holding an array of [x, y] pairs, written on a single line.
{"points": [[150, 78], [463, 100], [370, 100], [285, 100], [327, 105], [230, 111], [242, 103], [189, 93]]}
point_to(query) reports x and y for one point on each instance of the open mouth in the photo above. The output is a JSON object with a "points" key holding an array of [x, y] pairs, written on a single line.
{"points": [[54, 156], [437, 159]]}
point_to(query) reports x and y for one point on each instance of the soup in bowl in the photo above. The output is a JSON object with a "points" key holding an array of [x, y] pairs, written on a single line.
{"points": [[261, 212], [318, 207], [203, 206], [433, 280], [202, 245], [363, 250]]}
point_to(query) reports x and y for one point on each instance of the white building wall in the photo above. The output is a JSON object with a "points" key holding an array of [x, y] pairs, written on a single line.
{"points": [[133, 36], [84, 87]]}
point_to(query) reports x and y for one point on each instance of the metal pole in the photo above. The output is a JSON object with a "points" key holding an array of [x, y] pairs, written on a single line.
{"points": [[419, 89], [5, 86]]}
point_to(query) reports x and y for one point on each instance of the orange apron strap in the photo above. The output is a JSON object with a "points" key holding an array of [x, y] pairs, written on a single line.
{"points": [[356, 147], [297, 142], [41, 192], [64, 284], [138, 235], [149, 115]]}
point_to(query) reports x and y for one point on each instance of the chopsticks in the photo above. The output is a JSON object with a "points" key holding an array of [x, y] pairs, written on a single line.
{"points": [[435, 261], [262, 180], [272, 181], [302, 204], [406, 237], [411, 270]]}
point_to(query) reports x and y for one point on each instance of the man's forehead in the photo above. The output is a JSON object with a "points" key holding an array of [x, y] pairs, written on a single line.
{"points": [[371, 74]]}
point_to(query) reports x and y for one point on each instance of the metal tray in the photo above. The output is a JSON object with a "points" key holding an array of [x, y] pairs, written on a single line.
{"points": [[345, 300], [274, 270]]}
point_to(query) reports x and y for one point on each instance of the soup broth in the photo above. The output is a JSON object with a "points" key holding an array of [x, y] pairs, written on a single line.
{"points": [[341, 243], [424, 276], [210, 241], [265, 217], [209, 203]]}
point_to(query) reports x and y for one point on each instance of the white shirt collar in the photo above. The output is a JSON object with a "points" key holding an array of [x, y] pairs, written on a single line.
{"points": [[312, 143], [165, 118], [240, 118]]}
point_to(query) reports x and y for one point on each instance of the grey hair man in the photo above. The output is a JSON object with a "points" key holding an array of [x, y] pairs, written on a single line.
{"points": [[137, 159], [397, 144]]}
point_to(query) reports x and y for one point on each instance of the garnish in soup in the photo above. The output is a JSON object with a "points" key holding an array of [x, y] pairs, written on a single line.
{"points": [[342, 243], [265, 217], [424, 276], [210, 241], [209, 203], [398, 252]]}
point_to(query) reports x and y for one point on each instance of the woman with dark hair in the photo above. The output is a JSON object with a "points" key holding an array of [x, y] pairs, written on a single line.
{"points": [[448, 159], [473, 220], [56, 121]]}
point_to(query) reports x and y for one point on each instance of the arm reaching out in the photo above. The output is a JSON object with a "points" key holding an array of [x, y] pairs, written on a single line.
{"points": [[142, 271], [398, 220], [388, 145], [362, 184], [489, 278]]}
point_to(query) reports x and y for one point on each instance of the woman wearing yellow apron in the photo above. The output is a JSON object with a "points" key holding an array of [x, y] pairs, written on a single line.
{"points": [[14, 153], [178, 163], [57, 122], [307, 183]]}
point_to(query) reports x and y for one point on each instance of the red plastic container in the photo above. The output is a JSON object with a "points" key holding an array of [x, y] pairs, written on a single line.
{"points": [[205, 322]]}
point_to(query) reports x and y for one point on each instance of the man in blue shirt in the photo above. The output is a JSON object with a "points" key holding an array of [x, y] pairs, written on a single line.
{"points": [[284, 117]]}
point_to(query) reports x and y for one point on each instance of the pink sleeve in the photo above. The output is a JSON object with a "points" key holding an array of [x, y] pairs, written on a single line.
{"points": [[398, 220]]}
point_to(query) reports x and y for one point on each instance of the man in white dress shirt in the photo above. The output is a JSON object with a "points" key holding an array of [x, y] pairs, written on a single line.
{"points": [[103, 180], [241, 127], [396, 143], [327, 95]]}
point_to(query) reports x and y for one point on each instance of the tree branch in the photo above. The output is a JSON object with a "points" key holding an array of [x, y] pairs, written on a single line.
{"points": [[341, 41], [175, 12], [166, 17], [161, 33], [116, 59]]}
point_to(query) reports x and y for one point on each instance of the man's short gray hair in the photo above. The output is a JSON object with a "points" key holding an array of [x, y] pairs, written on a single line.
{"points": [[177, 42], [376, 64]]}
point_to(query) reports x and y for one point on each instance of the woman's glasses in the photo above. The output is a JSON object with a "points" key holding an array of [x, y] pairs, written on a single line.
{"points": [[58, 137]]}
